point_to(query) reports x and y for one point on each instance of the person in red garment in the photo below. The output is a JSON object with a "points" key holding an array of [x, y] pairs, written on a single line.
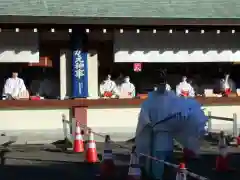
{"points": [[227, 85], [108, 88], [184, 88]]}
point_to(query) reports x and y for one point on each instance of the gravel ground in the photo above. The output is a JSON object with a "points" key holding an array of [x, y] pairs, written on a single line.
{"points": [[45, 162]]}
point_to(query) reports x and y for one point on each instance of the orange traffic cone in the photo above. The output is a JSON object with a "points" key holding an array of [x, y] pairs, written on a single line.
{"points": [[181, 173], [134, 172], [107, 166], [222, 159], [78, 145], [91, 153]]}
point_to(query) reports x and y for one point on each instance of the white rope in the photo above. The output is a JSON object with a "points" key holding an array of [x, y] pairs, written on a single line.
{"points": [[196, 176]]}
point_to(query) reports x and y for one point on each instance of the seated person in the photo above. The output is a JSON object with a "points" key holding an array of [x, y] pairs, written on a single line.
{"points": [[15, 88], [108, 88], [127, 89], [49, 88], [119, 81], [34, 87], [227, 85], [45, 84], [37, 77], [184, 88]]}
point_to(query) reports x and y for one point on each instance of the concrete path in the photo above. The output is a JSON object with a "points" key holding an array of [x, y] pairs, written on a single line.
{"points": [[49, 136]]}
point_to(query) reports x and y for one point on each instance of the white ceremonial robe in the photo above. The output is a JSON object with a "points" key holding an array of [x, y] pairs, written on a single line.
{"points": [[127, 90], [14, 87], [108, 86], [185, 89]]}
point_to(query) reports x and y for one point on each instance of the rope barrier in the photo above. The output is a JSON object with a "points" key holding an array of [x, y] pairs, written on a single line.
{"points": [[196, 176]]}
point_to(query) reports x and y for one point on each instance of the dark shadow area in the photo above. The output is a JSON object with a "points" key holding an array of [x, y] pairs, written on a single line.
{"points": [[64, 171], [79, 170], [206, 167], [47, 164], [63, 143], [176, 42], [48, 169], [212, 139]]}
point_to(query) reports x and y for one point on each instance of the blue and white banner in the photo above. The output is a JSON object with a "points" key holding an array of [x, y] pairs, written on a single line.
{"points": [[80, 74], [79, 67]]}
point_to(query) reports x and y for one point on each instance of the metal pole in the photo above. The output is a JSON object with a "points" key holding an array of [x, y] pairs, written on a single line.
{"points": [[73, 128], [2, 156], [209, 122], [235, 126], [65, 126]]}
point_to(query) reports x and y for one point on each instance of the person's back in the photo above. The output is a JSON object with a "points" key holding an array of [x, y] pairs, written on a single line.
{"points": [[34, 86], [184, 88], [195, 113], [155, 109], [127, 89], [168, 116], [164, 104], [49, 88]]}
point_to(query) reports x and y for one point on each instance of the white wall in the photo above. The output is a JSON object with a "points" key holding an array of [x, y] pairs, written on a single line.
{"points": [[223, 111], [113, 119], [33, 125], [124, 120]]}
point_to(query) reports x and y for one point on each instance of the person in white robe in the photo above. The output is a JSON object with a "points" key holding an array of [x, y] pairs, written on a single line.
{"points": [[127, 89], [15, 88], [185, 89], [227, 85], [164, 117], [108, 88]]}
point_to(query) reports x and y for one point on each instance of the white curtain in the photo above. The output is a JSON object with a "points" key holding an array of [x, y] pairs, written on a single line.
{"points": [[19, 46], [176, 47]]}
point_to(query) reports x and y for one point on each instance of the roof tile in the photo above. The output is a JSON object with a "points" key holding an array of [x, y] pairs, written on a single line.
{"points": [[123, 8]]}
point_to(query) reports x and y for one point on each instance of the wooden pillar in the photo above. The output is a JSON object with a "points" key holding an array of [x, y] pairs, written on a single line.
{"points": [[65, 73], [93, 74], [80, 114]]}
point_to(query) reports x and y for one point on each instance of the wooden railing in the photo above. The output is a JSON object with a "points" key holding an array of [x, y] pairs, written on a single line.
{"points": [[235, 129]]}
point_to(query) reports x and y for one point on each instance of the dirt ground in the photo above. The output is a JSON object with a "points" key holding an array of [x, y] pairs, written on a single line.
{"points": [[45, 163]]}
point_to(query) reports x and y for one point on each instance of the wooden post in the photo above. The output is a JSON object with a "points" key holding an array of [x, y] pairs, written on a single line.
{"points": [[209, 122], [73, 129], [235, 126]]}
